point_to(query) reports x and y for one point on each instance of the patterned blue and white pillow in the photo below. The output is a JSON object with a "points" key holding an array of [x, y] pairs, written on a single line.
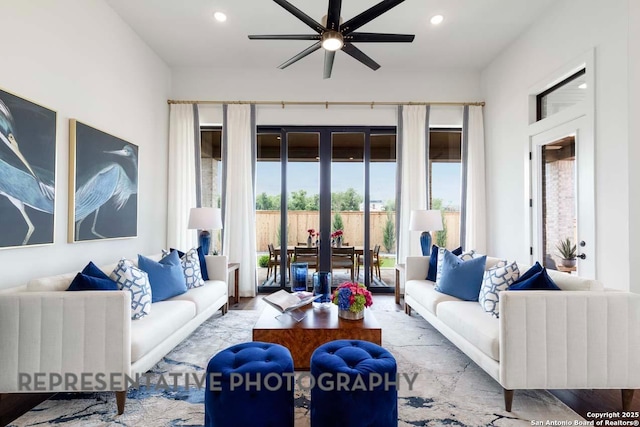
{"points": [[190, 267], [130, 277], [496, 279], [465, 256]]}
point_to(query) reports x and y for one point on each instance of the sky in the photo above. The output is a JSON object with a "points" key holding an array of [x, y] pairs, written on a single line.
{"points": [[305, 176]]}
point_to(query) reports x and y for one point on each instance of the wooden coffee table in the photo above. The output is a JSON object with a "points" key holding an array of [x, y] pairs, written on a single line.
{"points": [[318, 327]]}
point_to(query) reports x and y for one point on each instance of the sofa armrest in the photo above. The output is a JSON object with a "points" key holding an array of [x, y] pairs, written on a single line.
{"points": [[60, 333], [217, 267], [416, 268], [569, 339]]}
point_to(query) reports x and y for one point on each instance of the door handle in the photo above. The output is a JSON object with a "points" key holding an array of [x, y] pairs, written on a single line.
{"points": [[582, 256]]}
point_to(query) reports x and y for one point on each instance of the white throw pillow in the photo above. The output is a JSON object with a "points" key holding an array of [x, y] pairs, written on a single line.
{"points": [[496, 279], [130, 277]]}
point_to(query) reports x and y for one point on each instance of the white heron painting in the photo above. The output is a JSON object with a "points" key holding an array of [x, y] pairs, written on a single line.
{"points": [[104, 177], [27, 172]]}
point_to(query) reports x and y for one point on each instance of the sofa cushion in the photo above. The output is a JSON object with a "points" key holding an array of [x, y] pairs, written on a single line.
{"points": [[131, 278], [52, 283], [91, 278], [496, 279], [433, 261], [165, 318], [536, 278], [469, 320], [166, 276], [461, 279], [203, 296], [190, 267], [424, 293], [84, 282]]}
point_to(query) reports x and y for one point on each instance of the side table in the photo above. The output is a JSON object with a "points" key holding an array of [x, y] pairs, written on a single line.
{"points": [[235, 266], [399, 269]]}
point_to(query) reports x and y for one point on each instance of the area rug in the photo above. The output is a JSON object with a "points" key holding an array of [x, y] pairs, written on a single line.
{"points": [[449, 388]]}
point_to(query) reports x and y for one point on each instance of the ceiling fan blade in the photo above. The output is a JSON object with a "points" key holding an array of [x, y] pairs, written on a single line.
{"points": [[317, 27], [356, 53], [379, 38], [285, 37], [329, 56], [368, 15], [333, 15], [301, 55]]}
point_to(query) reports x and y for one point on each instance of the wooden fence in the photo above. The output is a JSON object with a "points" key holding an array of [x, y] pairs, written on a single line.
{"points": [[268, 225]]}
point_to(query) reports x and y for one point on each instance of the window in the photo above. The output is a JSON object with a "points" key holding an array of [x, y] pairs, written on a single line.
{"points": [[565, 94]]}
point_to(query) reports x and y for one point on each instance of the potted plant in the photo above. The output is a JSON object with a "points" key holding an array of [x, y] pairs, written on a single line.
{"points": [[567, 252]]}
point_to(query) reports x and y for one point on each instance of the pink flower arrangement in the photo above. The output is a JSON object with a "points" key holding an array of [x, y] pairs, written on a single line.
{"points": [[352, 296], [311, 232], [336, 234]]}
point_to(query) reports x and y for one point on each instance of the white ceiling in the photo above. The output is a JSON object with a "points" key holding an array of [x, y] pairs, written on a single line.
{"points": [[184, 34]]}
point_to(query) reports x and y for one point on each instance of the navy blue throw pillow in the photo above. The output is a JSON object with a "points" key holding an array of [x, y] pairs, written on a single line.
{"points": [[433, 261], [180, 253], [203, 264], [461, 279], [539, 281], [84, 282], [92, 270], [165, 277], [537, 268]]}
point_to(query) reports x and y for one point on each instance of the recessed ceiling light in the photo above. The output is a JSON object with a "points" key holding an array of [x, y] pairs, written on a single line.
{"points": [[437, 19], [582, 86], [220, 17]]}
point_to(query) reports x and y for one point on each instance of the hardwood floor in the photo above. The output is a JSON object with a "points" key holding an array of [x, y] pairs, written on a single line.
{"points": [[581, 401]]}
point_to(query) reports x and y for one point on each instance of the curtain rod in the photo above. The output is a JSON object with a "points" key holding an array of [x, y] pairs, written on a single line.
{"points": [[325, 103]]}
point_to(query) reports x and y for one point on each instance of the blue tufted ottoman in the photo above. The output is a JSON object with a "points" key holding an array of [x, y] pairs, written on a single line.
{"points": [[250, 384], [350, 387]]}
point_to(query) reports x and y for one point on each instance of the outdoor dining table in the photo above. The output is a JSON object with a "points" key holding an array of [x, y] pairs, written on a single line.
{"points": [[359, 250]]}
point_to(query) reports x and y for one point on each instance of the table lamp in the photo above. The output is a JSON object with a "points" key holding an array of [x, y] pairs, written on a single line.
{"points": [[425, 221], [205, 219]]}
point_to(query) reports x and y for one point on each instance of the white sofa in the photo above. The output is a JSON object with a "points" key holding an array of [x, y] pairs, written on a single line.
{"points": [[48, 331], [582, 337]]}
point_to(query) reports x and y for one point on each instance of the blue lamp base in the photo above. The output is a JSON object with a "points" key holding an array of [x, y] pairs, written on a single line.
{"points": [[425, 243], [204, 240]]}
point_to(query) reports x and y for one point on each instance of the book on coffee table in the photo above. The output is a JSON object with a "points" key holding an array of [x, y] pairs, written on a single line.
{"points": [[285, 302]]}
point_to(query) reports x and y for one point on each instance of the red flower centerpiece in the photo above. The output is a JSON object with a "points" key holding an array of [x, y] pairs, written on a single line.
{"points": [[351, 299]]}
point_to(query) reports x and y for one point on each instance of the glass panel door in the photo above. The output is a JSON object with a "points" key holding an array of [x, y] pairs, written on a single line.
{"points": [[347, 204], [268, 187], [562, 201], [382, 212], [303, 200], [559, 222]]}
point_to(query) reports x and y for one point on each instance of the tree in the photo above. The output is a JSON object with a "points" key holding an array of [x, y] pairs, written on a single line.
{"points": [[263, 203], [389, 234], [348, 200], [441, 236], [298, 200], [390, 206], [337, 222]]}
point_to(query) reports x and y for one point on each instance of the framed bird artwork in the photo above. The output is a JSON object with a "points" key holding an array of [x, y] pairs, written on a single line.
{"points": [[27, 172], [103, 185]]}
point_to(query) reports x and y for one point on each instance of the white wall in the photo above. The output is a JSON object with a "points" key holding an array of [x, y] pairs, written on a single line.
{"points": [[568, 30], [80, 59], [291, 85], [634, 140]]}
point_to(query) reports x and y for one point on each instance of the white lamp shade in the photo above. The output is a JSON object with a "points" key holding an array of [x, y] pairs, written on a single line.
{"points": [[425, 220], [205, 219]]}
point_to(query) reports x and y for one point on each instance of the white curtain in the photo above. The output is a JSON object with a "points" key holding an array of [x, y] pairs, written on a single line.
{"points": [[182, 177], [239, 217], [476, 208], [413, 181]]}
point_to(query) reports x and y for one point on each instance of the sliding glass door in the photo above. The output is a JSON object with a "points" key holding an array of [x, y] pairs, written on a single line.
{"points": [[324, 202]]}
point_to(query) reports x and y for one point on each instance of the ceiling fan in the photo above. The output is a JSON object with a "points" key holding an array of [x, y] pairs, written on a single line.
{"points": [[335, 36]]}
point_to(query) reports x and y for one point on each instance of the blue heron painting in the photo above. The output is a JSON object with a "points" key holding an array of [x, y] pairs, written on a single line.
{"points": [[27, 172], [105, 174]]}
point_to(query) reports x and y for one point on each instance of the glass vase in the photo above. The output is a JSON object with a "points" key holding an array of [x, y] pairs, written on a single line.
{"points": [[322, 287]]}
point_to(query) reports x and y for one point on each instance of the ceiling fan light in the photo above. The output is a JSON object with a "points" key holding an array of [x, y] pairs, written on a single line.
{"points": [[332, 40]]}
